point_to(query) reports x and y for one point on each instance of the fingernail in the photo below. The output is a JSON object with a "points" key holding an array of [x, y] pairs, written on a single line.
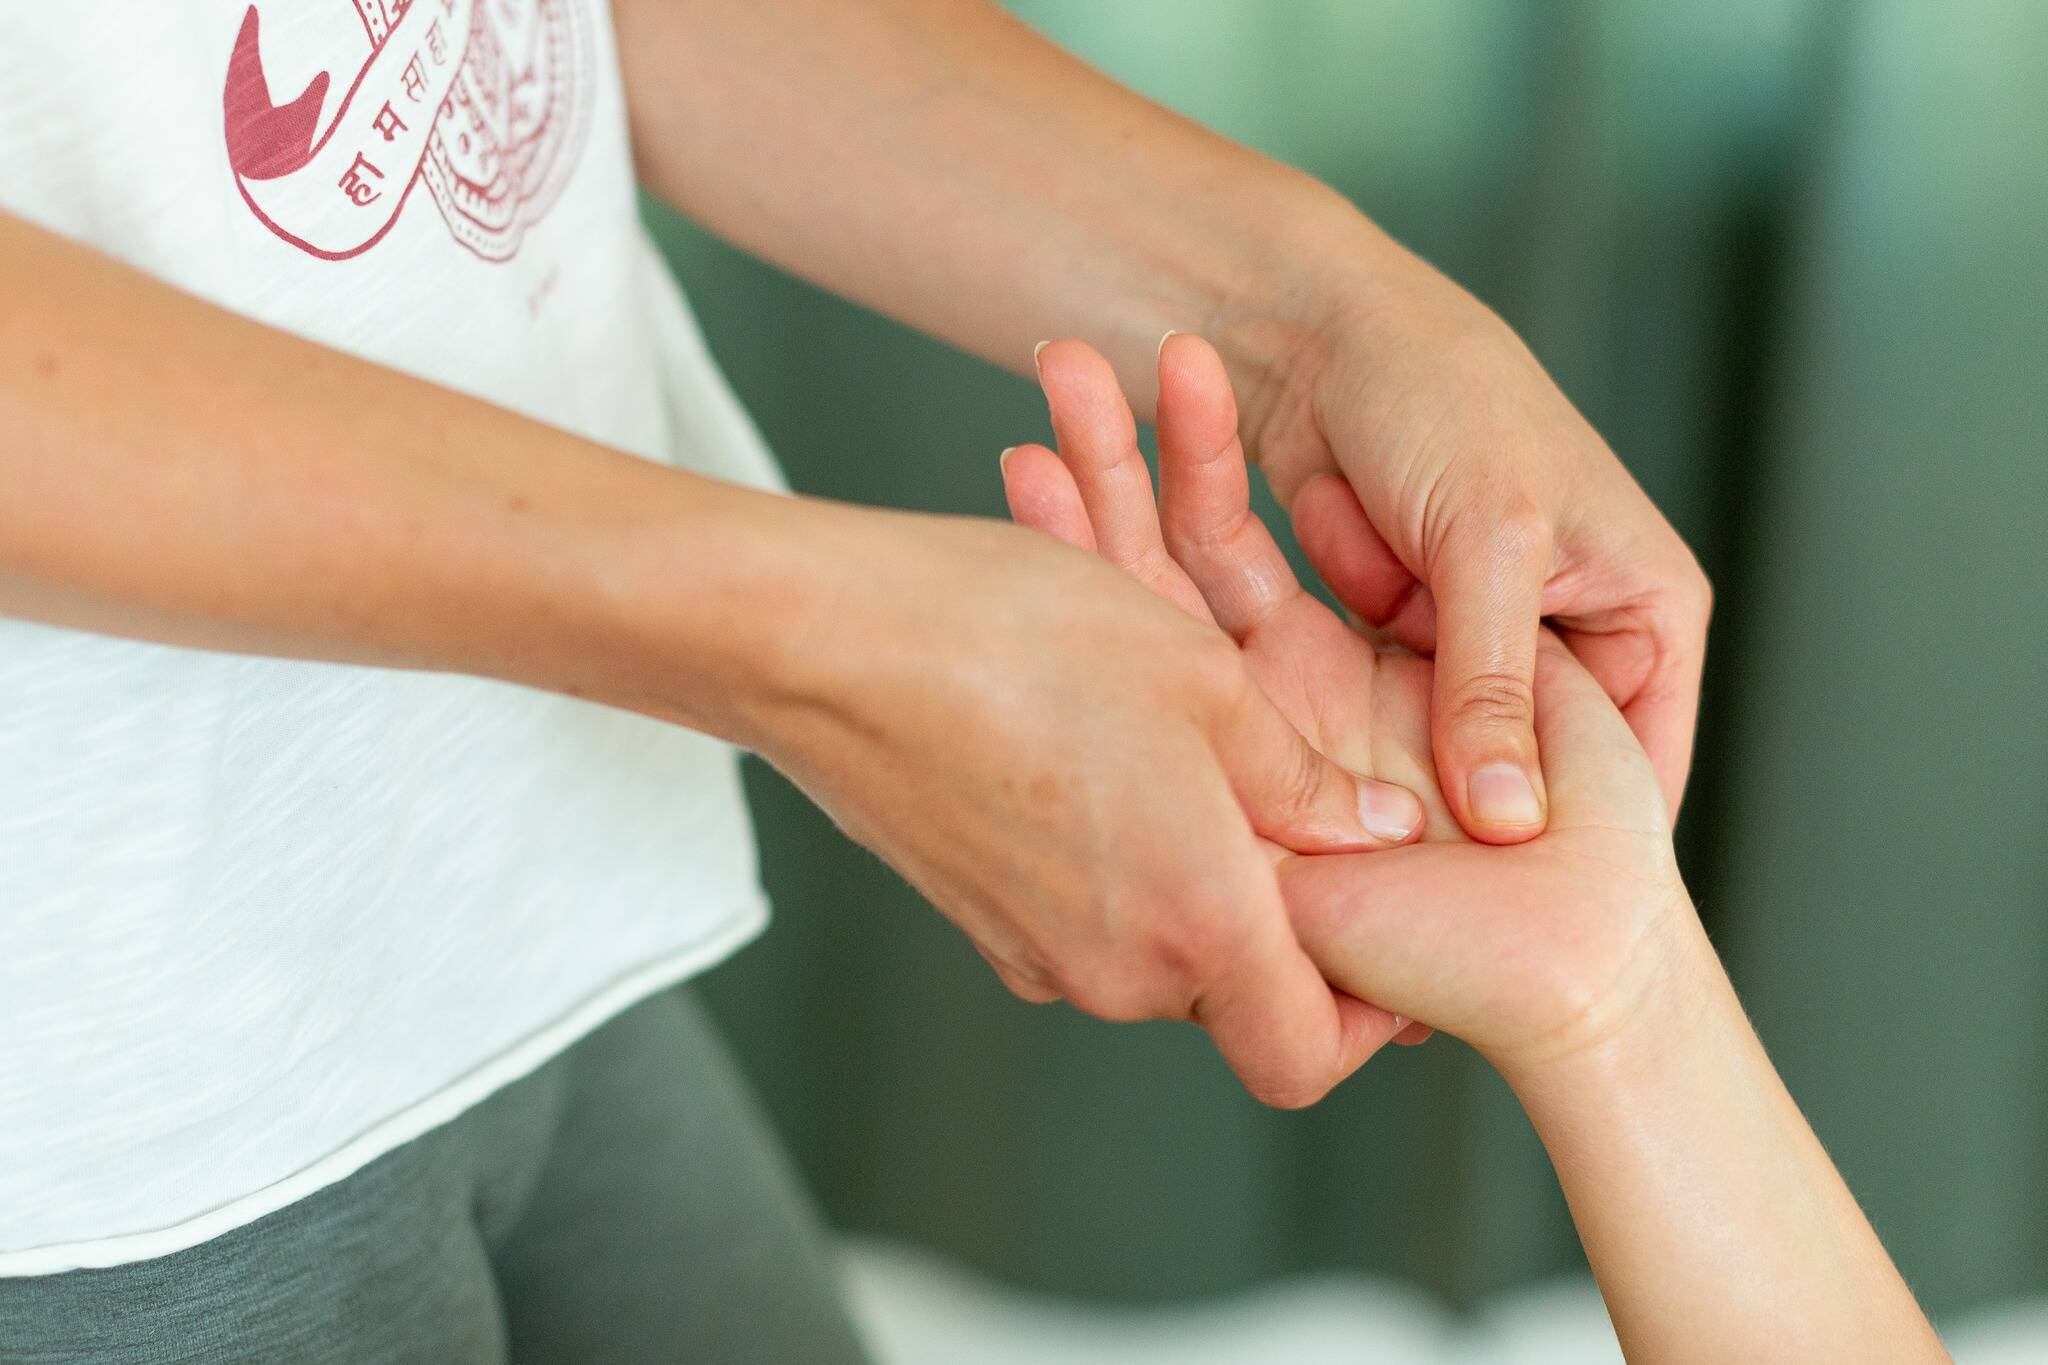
{"points": [[1170, 332], [1400, 1022], [1003, 460], [1501, 794], [1388, 812], [1035, 351]]}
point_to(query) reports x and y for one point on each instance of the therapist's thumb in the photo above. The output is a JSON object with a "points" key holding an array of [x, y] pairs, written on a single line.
{"points": [[1299, 799], [1488, 584]]}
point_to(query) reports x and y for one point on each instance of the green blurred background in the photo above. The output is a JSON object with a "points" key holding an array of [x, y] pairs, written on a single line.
{"points": [[1792, 259]]}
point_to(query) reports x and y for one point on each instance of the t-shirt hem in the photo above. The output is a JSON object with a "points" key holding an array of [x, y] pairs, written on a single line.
{"points": [[443, 1105]]}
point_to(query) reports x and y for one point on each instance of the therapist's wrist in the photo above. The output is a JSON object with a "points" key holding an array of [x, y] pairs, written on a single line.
{"points": [[675, 596], [777, 622], [1333, 291]]}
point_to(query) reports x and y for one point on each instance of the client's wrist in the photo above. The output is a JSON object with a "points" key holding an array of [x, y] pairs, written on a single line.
{"points": [[1671, 1009]]}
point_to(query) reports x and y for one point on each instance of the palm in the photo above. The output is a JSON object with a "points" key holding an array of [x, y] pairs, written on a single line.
{"points": [[1508, 947], [1514, 948]]}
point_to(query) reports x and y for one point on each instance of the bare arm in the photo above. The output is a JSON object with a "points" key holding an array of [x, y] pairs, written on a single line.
{"points": [[940, 161], [178, 473], [1715, 1223], [1714, 1220], [992, 713]]}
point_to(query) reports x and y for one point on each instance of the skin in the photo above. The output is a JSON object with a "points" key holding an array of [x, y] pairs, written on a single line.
{"points": [[993, 713], [939, 161], [1716, 1225]]}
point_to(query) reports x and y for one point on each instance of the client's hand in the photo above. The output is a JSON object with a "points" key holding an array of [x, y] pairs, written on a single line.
{"points": [[1511, 949], [1713, 1220], [1530, 951], [1202, 549]]}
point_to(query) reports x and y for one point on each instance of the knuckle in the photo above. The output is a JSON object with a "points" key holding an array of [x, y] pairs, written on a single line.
{"points": [[1292, 1091], [1196, 528], [1699, 593], [1027, 986], [1493, 699], [1024, 974], [1119, 996], [1149, 563], [1189, 946], [1515, 531], [1300, 786]]}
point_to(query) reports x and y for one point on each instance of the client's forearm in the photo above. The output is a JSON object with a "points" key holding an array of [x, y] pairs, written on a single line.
{"points": [[1717, 1226]]}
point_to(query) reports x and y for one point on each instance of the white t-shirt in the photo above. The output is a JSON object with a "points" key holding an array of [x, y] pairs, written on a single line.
{"points": [[260, 920]]}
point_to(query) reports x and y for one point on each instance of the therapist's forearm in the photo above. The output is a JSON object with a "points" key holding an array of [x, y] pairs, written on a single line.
{"points": [[941, 162], [174, 472], [1716, 1224]]}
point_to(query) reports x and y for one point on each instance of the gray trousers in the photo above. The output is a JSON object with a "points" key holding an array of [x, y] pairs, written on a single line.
{"points": [[623, 1204]]}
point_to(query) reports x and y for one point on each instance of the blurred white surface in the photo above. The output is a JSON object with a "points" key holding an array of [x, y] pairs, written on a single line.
{"points": [[919, 1309]]}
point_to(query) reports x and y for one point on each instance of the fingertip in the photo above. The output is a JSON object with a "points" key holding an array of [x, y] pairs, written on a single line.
{"points": [[1294, 794], [1023, 473], [1189, 347], [1074, 379], [1042, 495], [1363, 1029], [1391, 814], [1665, 729], [1058, 359], [1195, 396], [1504, 802], [1091, 421], [1482, 726], [1029, 991]]}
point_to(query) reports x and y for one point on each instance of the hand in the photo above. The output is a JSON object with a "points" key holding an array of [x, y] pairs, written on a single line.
{"points": [[1527, 953], [1078, 776], [1710, 1215], [1202, 549], [1478, 502], [1513, 949]]}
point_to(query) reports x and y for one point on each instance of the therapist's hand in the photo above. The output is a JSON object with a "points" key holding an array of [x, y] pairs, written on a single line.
{"points": [[1515, 949], [1518, 950], [1086, 780], [1452, 496]]}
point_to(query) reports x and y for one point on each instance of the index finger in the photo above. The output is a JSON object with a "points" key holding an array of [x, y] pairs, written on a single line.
{"points": [[1651, 666], [1665, 717], [1205, 492], [1599, 773]]}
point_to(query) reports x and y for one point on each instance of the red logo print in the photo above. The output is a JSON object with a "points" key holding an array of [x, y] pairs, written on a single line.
{"points": [[485, 102]]}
